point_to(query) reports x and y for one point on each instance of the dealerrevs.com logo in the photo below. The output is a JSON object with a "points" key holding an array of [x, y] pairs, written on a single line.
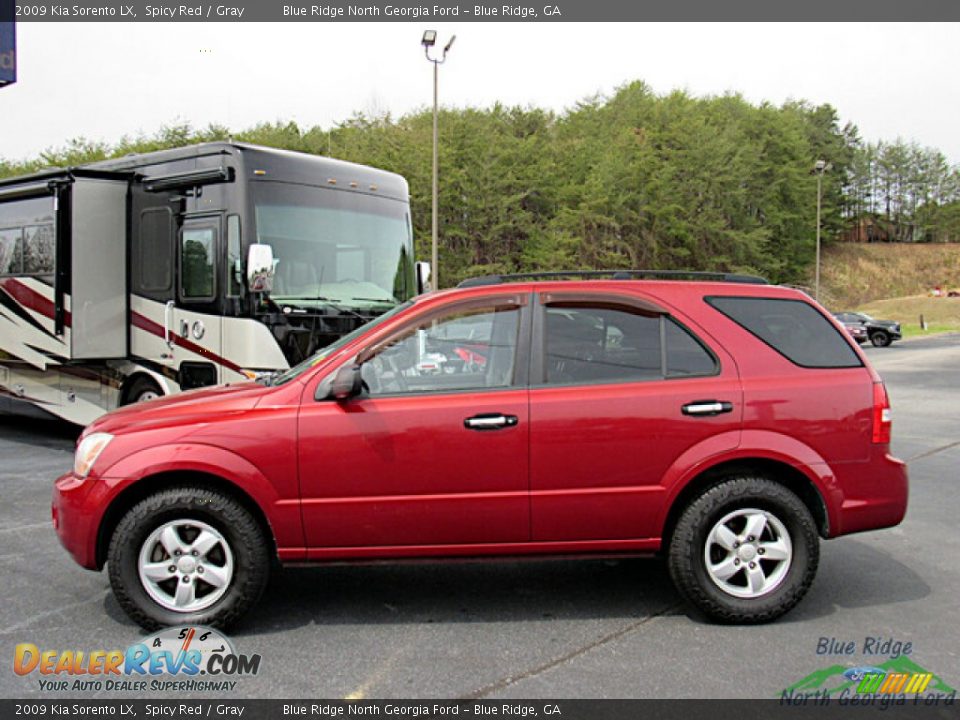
{"points": [[177, 659]]}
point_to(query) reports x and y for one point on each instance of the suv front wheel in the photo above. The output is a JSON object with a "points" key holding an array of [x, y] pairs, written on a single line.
{"points": [[745, 551], [188, 555], [879, 338]]}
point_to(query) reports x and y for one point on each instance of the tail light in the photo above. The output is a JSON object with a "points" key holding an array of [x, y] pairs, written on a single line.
{"points": [[881, 414]]}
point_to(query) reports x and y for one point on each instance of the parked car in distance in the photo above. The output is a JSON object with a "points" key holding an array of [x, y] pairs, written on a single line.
{"points": [[857, 331], [880, 332], [723, 423]]}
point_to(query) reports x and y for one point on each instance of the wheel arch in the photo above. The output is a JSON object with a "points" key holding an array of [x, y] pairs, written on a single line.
{"points": [[778, 471], [150, 484]]}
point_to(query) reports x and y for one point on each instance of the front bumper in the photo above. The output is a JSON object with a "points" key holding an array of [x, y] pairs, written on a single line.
{"points": [[77, 509]]}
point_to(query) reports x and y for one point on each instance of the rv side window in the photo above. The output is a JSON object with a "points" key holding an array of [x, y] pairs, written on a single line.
{"points": [[27, 236], [38, 249], [11, 251], [196, 263], [155, 264]]}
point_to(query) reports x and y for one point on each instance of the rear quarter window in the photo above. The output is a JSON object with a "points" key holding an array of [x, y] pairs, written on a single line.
{"points": [[793, 328]]}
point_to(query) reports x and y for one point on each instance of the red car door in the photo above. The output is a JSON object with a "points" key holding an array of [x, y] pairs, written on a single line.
{"points": [[619, 392], [434, 451]]}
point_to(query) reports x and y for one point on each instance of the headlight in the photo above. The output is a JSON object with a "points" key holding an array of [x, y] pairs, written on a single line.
{"points": [[88, 452]]}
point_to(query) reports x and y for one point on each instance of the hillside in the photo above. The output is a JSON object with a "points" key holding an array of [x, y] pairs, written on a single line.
{"points": [[854, 275], [941, 314]]}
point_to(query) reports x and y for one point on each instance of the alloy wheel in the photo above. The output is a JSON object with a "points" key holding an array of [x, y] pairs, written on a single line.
{"points": [[748, 553], [185, 565]]}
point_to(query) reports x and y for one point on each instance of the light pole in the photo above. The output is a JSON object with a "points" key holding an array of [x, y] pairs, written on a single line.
{"points": [[820, 168], [428, 41]]}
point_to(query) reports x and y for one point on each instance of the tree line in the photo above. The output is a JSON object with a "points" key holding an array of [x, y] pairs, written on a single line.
{"points": [[902, 192], [633, 180]]}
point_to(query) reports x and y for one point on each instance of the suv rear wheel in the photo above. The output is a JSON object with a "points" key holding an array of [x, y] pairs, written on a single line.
{"points": [[745, 551], [188, 555]]}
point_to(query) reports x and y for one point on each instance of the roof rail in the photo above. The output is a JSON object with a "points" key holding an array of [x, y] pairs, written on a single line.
{"points": [[615, 275]]}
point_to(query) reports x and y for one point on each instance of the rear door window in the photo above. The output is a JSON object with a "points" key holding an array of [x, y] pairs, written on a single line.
{"points": [[793, 328], [601, 344], [685, 354], [586, 343]]}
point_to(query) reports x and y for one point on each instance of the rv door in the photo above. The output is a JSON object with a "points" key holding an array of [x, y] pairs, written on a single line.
{"points": [[175, 313], [198, 320], [98, 264], [154, 224]]}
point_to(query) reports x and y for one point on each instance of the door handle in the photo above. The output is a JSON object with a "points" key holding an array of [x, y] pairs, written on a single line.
{"points": [[707, 407], [491, 421], [167, 311]]}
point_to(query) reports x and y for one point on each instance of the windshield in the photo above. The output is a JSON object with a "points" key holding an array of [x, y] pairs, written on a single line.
{"points": [[348, 248], [323, 353]]}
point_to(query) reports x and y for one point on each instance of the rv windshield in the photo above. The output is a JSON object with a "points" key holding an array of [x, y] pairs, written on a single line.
{"points": [[335, 246], [323, 353]]}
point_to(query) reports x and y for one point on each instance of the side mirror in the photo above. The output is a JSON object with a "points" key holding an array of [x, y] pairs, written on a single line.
{"points": [[423, 277], [346, 383], [260, 268]]}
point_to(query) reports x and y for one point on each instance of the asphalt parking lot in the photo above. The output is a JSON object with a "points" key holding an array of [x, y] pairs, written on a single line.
{"points": [[560, 629]]}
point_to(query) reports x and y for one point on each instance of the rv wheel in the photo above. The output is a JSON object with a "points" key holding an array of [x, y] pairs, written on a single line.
{"points": [[141, 390]]}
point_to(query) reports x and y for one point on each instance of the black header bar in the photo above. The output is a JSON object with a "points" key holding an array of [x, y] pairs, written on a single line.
{"points": [[431, 11], [811, 708]]}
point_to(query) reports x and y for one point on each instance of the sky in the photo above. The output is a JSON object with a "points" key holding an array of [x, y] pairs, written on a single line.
{"points": [[105, 80]]}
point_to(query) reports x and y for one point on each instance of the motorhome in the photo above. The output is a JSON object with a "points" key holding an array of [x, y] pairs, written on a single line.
{"points": [[137, 277]]}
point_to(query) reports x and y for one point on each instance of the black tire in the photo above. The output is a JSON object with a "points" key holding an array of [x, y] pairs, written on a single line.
{"points": [[688, 566], [879, 338], [240, 530], [141, 389]]}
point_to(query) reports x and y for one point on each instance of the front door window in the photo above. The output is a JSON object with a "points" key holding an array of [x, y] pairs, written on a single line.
{"points": [[471, 349]]}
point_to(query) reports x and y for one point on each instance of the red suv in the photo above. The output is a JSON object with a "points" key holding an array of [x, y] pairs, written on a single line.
{"points": [[725, 423]]}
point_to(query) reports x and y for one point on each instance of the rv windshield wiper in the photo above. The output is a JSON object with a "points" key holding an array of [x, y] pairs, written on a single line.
{"points": [[384, 301], [321, 299]]}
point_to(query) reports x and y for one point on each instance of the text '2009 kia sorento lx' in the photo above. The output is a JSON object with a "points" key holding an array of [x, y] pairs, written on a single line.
{"points": [[727, 425]]}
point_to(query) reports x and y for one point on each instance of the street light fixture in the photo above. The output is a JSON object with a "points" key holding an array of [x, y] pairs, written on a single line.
{"points": [[428, 41], [819, 168]]}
